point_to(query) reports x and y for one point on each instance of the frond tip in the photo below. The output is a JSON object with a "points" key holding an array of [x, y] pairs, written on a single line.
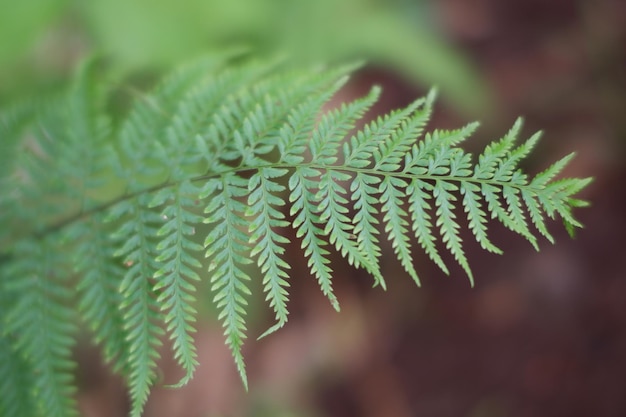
{"points": [[220, 160]]}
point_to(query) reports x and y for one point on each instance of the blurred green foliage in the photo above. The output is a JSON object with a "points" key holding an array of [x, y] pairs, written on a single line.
{"points": [[42, 39]]}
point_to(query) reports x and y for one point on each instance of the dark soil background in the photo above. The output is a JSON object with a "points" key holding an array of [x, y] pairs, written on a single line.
{"points": [[541, 334]]}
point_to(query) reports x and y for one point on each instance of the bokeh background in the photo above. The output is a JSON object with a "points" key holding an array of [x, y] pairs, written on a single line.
{"points": [[541, 334]]}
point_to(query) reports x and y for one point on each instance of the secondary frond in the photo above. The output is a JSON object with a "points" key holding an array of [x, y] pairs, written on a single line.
{"points": [[226, 249], [137, 251], [177, 264], [264, 203], [40, 323]]}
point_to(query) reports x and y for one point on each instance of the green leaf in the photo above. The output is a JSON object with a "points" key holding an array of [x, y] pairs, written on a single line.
{"points": [[225, 248], [105, 215]]}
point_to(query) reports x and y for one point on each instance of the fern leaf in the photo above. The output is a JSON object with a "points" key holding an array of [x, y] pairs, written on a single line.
{"points": [[339, 228], [276, 110], [357, 152], [395, 221], [294, 134], [143, 331], [41, 321], [16, 373], [516, 215], [506, 168], [421, 220], [389, 156], [98, 289], [224, 249], [207, 114], [491, 194], [364, 189], [16, 382], [556, 198], [444, 200], [146, 126], [476, 216], [266, 242], [429, 155], [245, 142], [535, 212], [335, 125], [304, 207], [176, 273], [496, 152], [247, 121], [544, 177]]}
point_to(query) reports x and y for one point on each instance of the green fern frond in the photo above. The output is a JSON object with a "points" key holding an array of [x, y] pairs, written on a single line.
{"points": [[263, 204], [99, 298], [339, 227], [226, 249], [396, 224], [331, 130], [142, 329], [177, 270], [17, 381], [418, 192], [307, 222], [41, 322], [444, 201], [241, 150], [364, 188]]}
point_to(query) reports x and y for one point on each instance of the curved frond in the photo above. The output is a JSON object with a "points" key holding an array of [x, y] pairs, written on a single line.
{"points": [[177, 264], [17, 399], [226, 249], [41, 322], [339, 227], [99, 297], [303, 186], [138, 252], [263, 207], [105, 216], [396, 225]]}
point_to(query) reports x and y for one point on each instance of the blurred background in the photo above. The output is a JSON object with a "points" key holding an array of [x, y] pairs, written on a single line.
{"points": [[541, 334]]}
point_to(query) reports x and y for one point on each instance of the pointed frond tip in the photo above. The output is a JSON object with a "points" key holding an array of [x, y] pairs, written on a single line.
{"points": [[195, 191]]}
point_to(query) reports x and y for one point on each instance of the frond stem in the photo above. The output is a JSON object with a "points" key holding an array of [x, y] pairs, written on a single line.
{"points": [[241, 169]]}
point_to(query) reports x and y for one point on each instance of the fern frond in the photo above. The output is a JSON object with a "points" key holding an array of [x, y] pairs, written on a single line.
{"points": [[41, 321], [476, 216], [263, 202], [117, 206], [147, 128], [225, 247], [99, 298], [293, 136], [444, 200], [329, 133], [17, 399], [339, 227], [495, 153], [364, 188], [303, 185], [391, 153], [392, 197], [16, 384], [177, 264], [421, 223], [357, 152], [142, 328], [430, 155]]}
